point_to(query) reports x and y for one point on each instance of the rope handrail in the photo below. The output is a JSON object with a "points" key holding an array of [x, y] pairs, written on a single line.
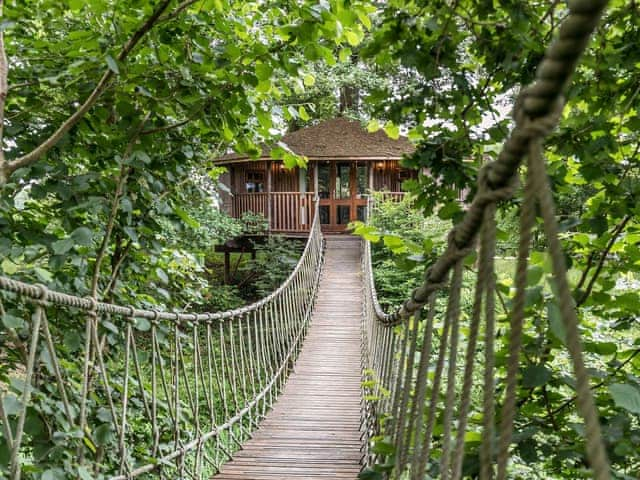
{"points": [[38, 291], [391, 342], [174, 396], [536, 112]]}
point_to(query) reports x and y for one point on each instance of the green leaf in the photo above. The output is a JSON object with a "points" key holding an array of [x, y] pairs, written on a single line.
{"points": [[369, 474], [11, 321], [472, 437], [263, 71], [9, 267], [534, 274], [535, 376], [53, 474], [82, 236], [103, 434], [373, 126], [344, 55], [143, 324], [162, 276], [383, 448], [72, 340], [113, 65], [303, 113], [43, 275], [131, 233], [309, 80], [626, 396], [556, 325], [352, 37], [77, 5], [61, 247], [11, 404], [601, 348], [84, 474], [186, 218], [392, 130]]}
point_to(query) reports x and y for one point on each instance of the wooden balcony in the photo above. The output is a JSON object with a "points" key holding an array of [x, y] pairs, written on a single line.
{"points": [[286, 212]]}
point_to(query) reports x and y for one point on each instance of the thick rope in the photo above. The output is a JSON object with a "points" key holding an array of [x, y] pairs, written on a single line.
{"points": [[454, 313], [537, 112], [484, 272], [243, 369], [488, 403], [527, 221], [586, 406]]}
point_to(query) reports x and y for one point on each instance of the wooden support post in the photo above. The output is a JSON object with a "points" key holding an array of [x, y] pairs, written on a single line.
{"points": [[269, 188], [227, 268]]}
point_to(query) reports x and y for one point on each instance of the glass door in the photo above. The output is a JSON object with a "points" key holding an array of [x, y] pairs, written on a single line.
{"points": [[342, 187], [343, 194]]}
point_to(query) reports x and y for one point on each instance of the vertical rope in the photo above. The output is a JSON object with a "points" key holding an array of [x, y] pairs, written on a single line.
{"points": [[586, 405], [454, 313], [484, 272], [488, 415], [424, 449], [407, 384], [16, 471], [527, 221], [421, 385]]}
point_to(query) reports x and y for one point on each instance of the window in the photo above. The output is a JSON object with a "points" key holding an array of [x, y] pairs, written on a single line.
{"points": [[404, 174], [343, 214], [324, 178], [254, 181], [324, 214], [343, 185], [363, 180]]}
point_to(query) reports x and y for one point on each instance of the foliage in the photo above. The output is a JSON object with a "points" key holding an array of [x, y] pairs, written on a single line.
{"points": [[114, 114], [275, 259], [464, 62], [404, 241]]}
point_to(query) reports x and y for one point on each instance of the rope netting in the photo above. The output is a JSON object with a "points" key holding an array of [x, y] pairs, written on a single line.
{"points": [[408, 399], [126, 391]]}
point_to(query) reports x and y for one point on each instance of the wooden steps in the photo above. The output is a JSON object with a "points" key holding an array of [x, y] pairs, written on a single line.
{"points": [[313, 431]]}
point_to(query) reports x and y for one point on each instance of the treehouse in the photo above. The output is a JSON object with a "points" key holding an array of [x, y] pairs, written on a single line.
{"points": [[346, 163]]}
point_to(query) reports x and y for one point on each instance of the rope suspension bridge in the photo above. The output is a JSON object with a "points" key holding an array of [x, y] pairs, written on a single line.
{"points": [[238, 394]]}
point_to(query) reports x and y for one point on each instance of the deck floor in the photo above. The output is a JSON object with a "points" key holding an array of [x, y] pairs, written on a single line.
{"points": [[313, 431]]}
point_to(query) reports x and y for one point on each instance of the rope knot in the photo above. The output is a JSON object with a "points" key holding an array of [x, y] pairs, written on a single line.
{"points": [[434, 284], [156, 317], [536, 126], [93, 306], [458, 252], [43, 294], [489, 193]]}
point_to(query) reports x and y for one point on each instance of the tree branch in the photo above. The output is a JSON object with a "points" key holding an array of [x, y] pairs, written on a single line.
{"points": [[598, 385], [122, 180], [4, 90], [151, 131], [614, 236], [7, 169], [178, 10]]}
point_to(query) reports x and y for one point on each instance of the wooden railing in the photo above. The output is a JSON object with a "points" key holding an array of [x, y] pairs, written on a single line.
{"points": [[286, 211], [390, 196], [249, 202]]}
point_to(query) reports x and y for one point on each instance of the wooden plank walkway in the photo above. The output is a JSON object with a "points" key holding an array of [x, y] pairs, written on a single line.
{"points": [[313, 431]]}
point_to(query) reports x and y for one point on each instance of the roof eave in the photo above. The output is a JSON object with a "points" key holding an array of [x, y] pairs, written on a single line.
{"points": [[313, 158]]}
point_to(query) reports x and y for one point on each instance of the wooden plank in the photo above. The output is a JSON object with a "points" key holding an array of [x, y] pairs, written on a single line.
{"points": [[313, 431]]}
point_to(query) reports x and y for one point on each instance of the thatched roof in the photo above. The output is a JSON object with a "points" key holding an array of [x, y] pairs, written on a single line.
{"points": [[338, 138]]}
